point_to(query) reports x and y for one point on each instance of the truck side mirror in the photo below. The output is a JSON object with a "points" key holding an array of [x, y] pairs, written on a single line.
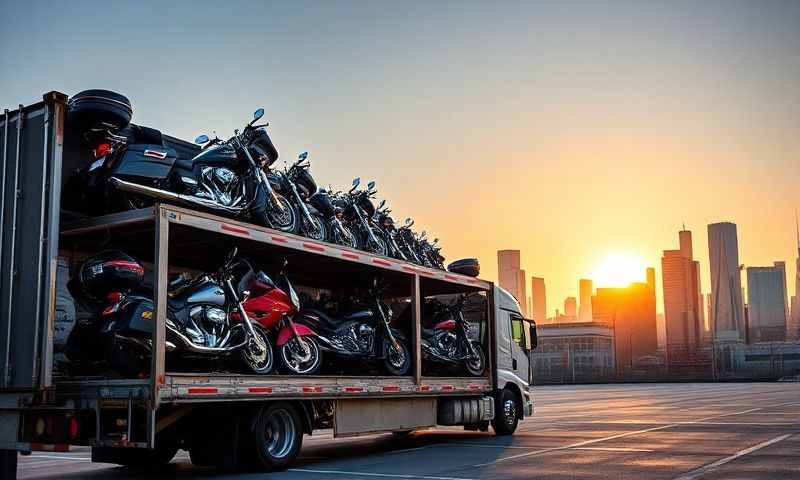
{"points": [[534, 337]]}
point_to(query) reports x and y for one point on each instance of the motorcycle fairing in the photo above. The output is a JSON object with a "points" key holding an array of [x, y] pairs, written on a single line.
{"points": [[448, 324], [286, 333]]}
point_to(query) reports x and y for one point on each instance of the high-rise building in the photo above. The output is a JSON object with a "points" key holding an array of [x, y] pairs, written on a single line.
{"points": [[727, 306], [683, 302], [585, 295], [766, 302], [631, 311], [511, 277], [570, 307], [793, 331], [539, 300]]}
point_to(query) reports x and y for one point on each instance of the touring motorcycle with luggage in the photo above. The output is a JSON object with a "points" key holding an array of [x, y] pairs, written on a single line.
{"points": [[207, 316], [132, 167], [446, 337]]}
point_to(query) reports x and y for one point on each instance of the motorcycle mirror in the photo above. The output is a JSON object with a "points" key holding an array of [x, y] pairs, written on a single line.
{"points": [[371, 185], [435, 240], [258, 114], [201, 139], [422, 233], [302, 156], [409, 222], [383, 202], [356, 182]]}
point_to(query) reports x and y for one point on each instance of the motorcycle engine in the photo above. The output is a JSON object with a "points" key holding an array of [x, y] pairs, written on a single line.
{"points": [[365, 336], [221, 185], [207, 325], [447, 344]]}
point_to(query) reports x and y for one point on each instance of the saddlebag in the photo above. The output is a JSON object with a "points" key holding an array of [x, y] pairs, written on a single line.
{"points": [[466, 266], [145, 161]]}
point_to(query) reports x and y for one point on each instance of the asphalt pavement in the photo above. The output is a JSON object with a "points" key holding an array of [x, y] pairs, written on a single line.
{"points": [[628, 431]]}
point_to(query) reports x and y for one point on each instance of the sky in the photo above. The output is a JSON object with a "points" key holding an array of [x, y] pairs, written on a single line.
{"points": [[568, 130]]}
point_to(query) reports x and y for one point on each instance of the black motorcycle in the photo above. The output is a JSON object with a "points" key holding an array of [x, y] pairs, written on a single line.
{"points": [[132, 167], [407, 242], [297, 184], [446, 337], [358, 212], [363, 333], [430, 252], [389, 232], [205, 316], [339, 231]]}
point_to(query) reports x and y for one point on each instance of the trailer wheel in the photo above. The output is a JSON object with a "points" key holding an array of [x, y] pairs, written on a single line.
{"points": [[506, 413], [277, 436]]}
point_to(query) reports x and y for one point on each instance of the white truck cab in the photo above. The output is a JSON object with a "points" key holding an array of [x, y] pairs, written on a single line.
{"points": [[516, 337]]}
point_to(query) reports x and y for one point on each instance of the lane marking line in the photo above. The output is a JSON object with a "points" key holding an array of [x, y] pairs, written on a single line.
{"points": [[369, 474], [615, 449], [711, 466]]}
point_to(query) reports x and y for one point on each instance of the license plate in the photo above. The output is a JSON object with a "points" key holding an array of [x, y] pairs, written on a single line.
{"points": [[97, 163]]}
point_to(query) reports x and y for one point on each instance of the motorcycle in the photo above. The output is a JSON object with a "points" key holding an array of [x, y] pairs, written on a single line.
{"points": [[358, 212], [446, 339], [363, 333], [299, 186], [132, 167], [430, 251], [339, 231], [206, 316], [407, 242], [389, 232]]}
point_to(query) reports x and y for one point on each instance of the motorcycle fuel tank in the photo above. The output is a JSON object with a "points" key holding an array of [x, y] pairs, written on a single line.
{"points": [[208, 292]]}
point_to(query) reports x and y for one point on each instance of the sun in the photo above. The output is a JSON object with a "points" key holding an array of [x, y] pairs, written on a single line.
{"points": [[618, 269]]}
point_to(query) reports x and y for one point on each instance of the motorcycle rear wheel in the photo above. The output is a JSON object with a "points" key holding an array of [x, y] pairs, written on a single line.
{"points": [[397, 363], [262, 363], [338, 238], [308, 366]]}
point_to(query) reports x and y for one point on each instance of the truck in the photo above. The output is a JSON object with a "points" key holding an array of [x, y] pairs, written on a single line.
{"points": [[223, 418]]}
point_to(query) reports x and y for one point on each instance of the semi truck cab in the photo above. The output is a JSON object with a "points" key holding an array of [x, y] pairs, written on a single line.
{"points": [[516, 338]]}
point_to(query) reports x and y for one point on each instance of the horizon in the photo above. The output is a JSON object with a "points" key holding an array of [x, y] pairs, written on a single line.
{"points": [[569, 131]]}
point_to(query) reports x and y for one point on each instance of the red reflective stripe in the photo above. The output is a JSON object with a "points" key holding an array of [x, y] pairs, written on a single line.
{"points": [[381, 262], [260, 389], [312, 389], [350, 255], [390, 388], [276, 238], [313, 246], [201, 390], [448, 388], [353, 389], [450, 277], [424, 388], [231, 228], [409, 269], [473, 386], [427, 274]]}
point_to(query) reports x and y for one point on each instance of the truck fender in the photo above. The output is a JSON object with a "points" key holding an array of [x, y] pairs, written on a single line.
{"points": [[286, 333]]}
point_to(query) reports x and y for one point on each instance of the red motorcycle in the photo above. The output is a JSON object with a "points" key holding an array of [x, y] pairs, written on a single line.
{"points": [[273, 306]]}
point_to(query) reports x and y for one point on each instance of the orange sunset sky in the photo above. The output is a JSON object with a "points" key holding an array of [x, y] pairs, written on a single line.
{"points": [[568, 130]]}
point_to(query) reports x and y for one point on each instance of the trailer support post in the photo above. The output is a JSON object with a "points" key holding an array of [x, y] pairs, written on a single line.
{"points": [[160, 316]]}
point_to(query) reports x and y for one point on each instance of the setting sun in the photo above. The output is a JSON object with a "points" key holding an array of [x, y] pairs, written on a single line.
{"points": [[618, 270]]}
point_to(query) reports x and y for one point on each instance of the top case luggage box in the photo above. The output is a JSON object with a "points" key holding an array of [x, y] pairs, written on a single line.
{"points": [[146, 161], [466, 266]]}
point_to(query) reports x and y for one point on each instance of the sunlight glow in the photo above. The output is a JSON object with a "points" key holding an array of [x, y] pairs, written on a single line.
{"points": [[618, 269]]}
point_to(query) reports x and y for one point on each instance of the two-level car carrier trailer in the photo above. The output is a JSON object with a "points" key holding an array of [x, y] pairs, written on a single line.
{"points": [[221, 417]]}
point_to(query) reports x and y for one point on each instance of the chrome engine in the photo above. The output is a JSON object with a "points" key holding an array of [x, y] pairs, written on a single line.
{"points": [[221, 185], [354, 337], [207, 326]]}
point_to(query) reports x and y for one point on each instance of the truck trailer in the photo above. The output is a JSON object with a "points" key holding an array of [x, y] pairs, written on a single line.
{"points": [[223, 418]]}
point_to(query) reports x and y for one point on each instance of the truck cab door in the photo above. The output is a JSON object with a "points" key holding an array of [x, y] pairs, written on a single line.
{"points": [[513, 365], [519, 348]]}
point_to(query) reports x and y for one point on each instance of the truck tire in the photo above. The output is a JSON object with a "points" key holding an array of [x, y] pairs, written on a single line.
{"points": [[506, 413], [277, 436]]}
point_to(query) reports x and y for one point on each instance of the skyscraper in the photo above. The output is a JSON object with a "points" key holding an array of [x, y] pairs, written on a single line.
{"points": [[683, 302], [793, 330], [766, 301], [570, 307], [726, 283], [585, 295], [539, 300], [511, 277]]}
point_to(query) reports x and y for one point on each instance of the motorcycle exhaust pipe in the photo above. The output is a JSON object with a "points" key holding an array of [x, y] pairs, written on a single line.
{"points": [[157, 193], [192, 347]]}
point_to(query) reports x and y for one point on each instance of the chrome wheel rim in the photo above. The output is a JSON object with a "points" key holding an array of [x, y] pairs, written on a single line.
{"points": [[279, 433], [475, 364], [303, 363], [281, 213], [509, 412], [315, 229], [397, 356], [262, 358]]}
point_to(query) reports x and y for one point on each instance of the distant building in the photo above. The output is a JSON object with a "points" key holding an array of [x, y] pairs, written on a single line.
{"points": [[727, 306], [511, 277], [574, 352], [585, 291], [793, 331], [766, 301], [631, 311], [683, 301], [539, 300], [570, 307]]}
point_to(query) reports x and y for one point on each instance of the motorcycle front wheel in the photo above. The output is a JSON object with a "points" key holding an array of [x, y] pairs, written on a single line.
{"points": [[280, 214], [257, 355], [476, 366], [299, 361], [315, 229], [398, 362], [377, 246], [348, 240]]}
